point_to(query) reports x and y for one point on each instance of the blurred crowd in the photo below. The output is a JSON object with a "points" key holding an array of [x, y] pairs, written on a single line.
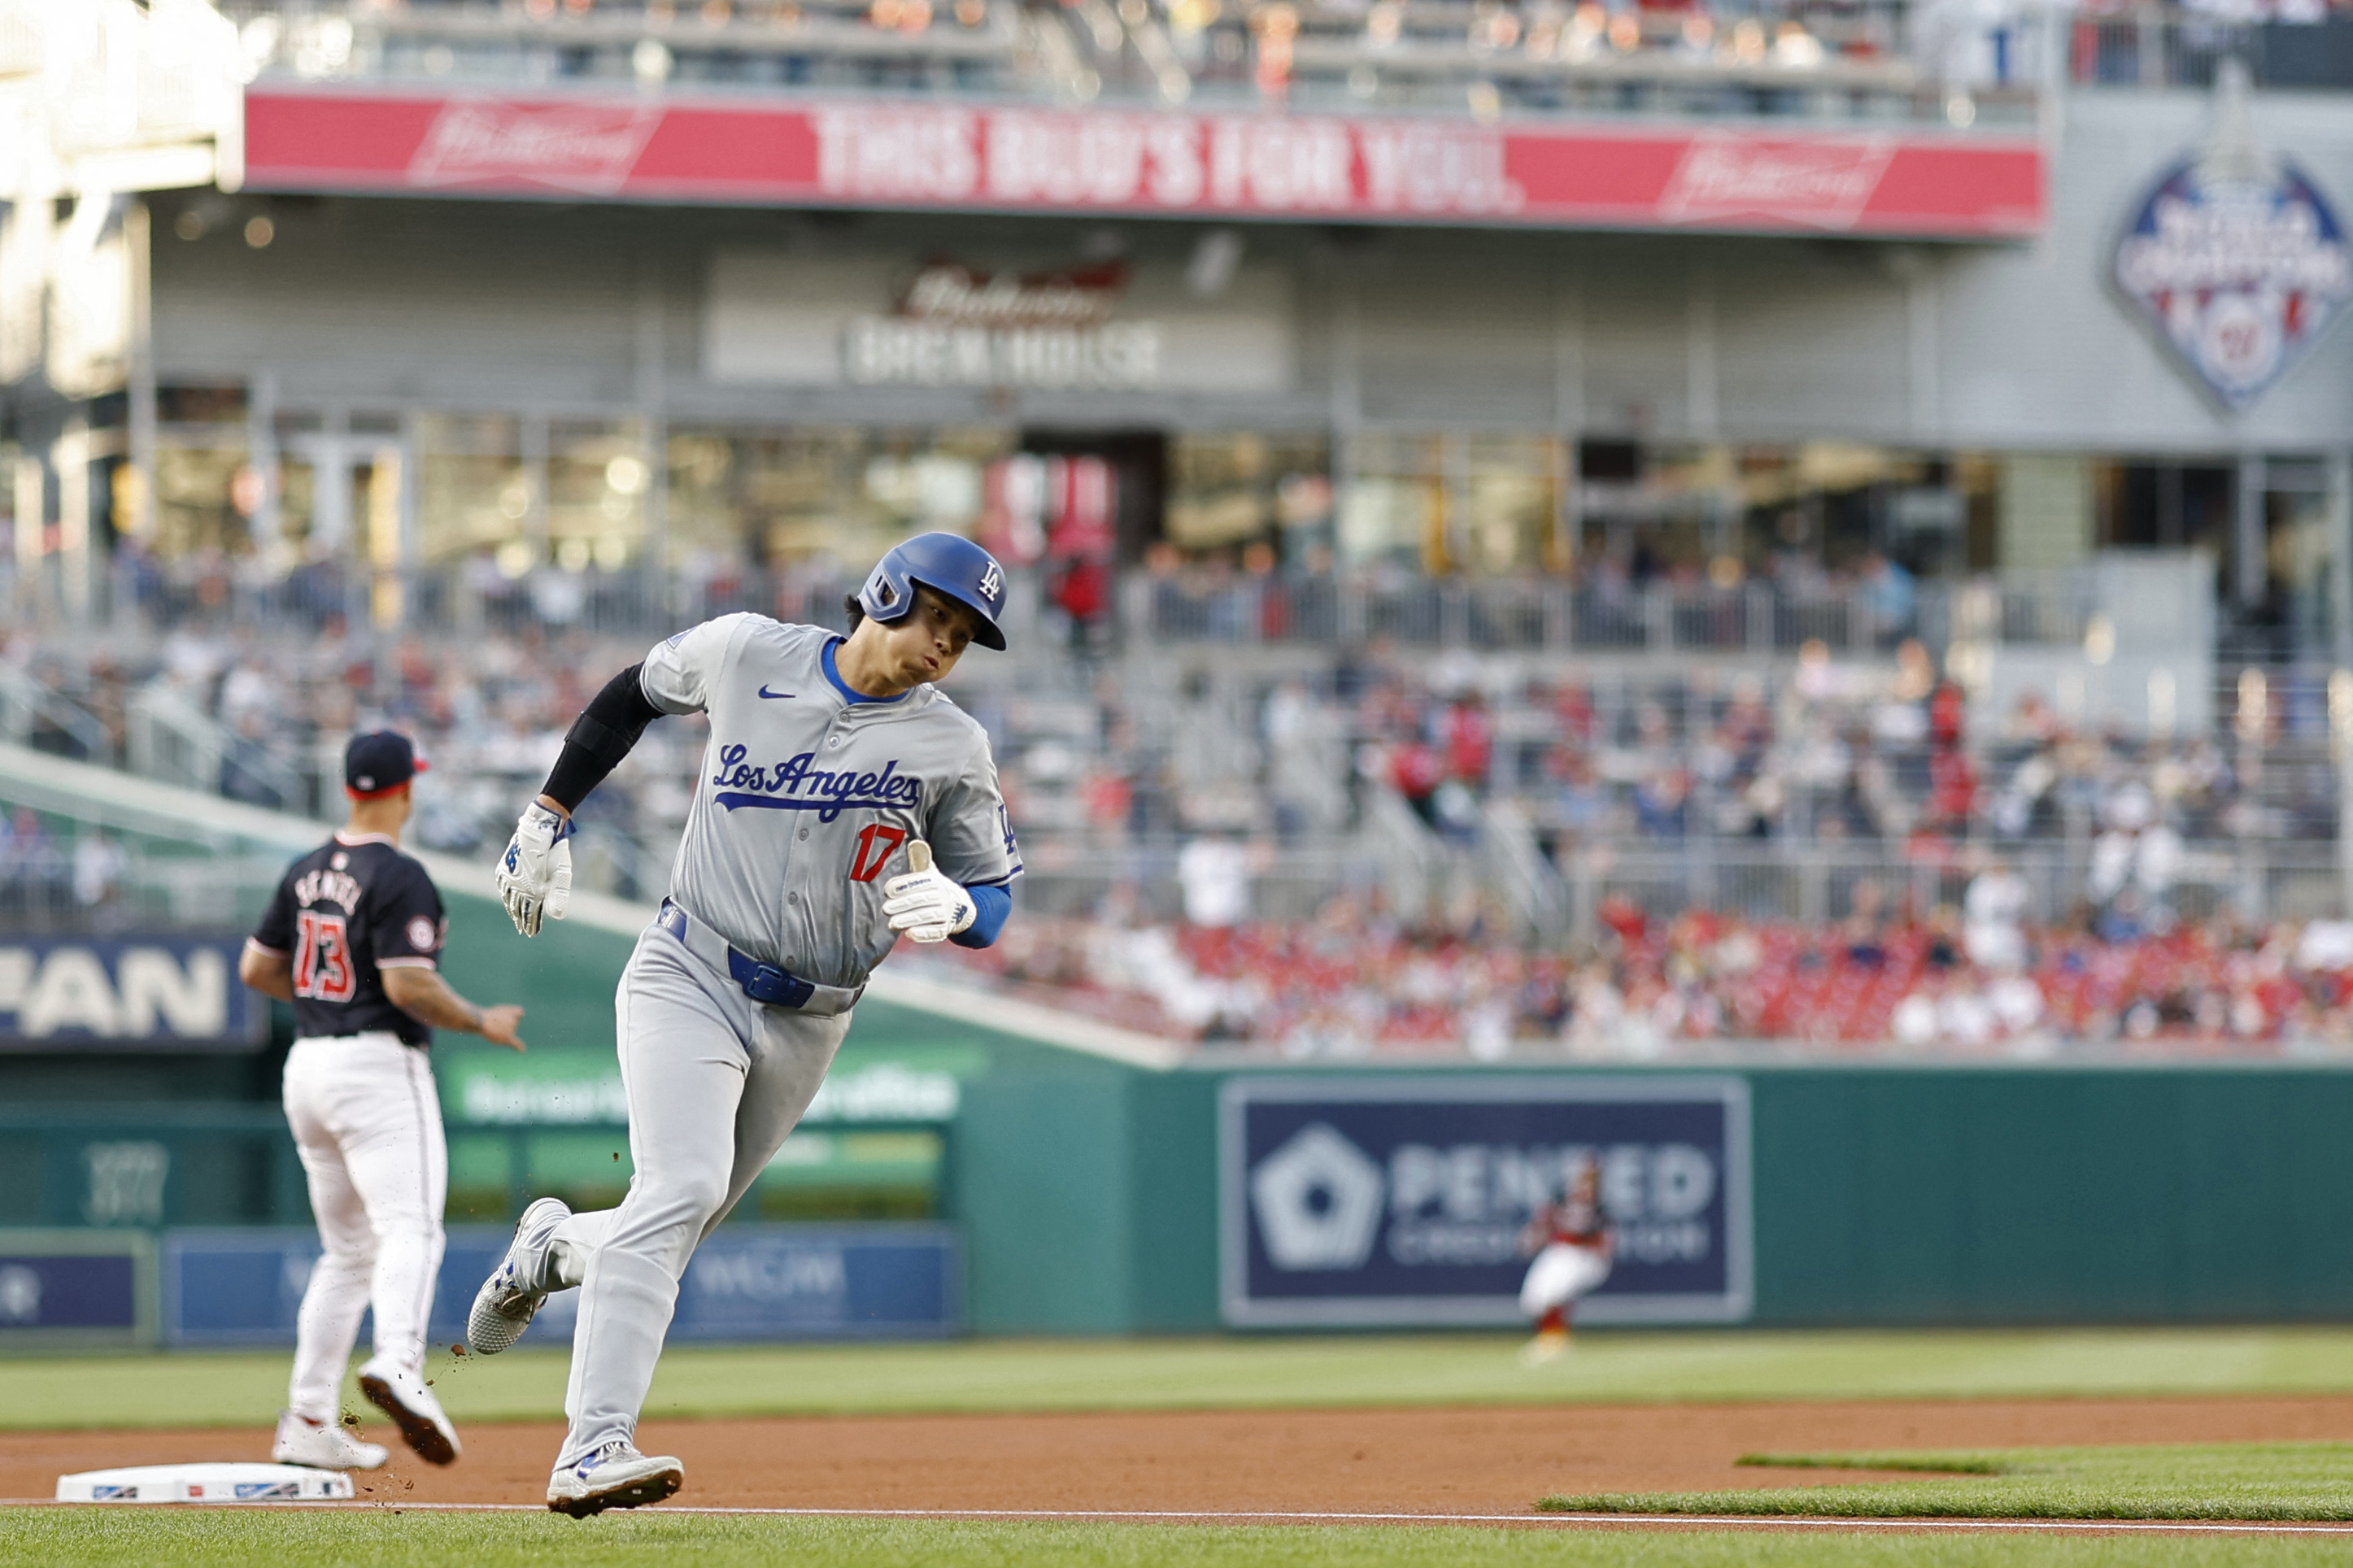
{"points": [[49, 883], [1869, 752], [2030, 887], [488, 714], [1877, 753], [1976, 981]]}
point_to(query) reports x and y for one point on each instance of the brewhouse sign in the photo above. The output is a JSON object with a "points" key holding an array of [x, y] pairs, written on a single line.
{"points": [[2236, 258], [956, 327]]}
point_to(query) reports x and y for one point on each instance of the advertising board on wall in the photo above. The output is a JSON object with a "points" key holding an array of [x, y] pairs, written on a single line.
{"points": [[875, 320], [60, 1288], [916, 156], [1399, 1201], [747, 1283], [131, 992]]}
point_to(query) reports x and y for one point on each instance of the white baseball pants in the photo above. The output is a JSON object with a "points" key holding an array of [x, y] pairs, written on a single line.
{"points": [[367, 1123], [714, 1081], [1560, 1274]]}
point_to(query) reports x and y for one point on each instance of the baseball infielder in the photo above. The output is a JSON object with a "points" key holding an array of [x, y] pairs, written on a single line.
{"points": [[842, 801], [1574, 1248], [350, 939]]}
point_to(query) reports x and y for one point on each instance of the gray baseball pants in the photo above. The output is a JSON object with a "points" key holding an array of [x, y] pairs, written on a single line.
{"points": [[714, 1081]]}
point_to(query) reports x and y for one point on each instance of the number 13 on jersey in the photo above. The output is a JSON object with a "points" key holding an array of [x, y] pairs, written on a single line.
{"points": [[323, 958]]}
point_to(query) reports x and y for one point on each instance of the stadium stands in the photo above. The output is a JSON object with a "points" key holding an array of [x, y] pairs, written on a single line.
{"points": [[1480, 59], [1874, 62], [1342, 845]]}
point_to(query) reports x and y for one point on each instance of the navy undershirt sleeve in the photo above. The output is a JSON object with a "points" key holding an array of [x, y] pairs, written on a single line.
{"points": [[990, 906]]}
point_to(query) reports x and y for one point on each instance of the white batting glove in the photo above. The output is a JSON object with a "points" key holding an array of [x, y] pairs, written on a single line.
{"points": [[927, 905], [535, 873]]}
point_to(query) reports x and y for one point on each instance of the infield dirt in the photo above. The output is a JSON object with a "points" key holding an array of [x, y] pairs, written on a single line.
{"points": [[1485, 1460]]}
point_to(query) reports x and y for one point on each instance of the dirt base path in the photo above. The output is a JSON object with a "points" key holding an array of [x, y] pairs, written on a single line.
{"points": [[1446, 1461]]}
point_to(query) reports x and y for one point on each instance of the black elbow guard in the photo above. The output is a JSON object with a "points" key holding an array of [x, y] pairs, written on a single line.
{"points": [[599, 743], [601, 737]]}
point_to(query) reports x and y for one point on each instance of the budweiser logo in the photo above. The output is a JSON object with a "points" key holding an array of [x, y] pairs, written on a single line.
{"points": [[586, 148], [954, 295], [1822, 183]]}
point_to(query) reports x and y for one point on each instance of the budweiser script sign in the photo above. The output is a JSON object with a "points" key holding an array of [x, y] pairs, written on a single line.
{"points": [[1822, 183], [585, 148], [957, 296], [1051, 330]]}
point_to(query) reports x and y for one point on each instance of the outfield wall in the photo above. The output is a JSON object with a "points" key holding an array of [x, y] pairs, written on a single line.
{"points": [[1082, 1164], [1881, 1195]]}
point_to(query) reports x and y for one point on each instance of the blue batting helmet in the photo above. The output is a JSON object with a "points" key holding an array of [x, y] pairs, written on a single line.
{"points": [[946, 564]]}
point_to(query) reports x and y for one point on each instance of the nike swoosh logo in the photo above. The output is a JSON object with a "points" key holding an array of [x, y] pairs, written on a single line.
{"points": [[765, 692]]}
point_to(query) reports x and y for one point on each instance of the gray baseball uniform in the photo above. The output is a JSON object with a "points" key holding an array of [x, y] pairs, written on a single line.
{"points": [[806, 801]]}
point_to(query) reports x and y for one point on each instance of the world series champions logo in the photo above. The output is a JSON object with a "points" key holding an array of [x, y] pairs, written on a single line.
{"points": [[2235, 258]]}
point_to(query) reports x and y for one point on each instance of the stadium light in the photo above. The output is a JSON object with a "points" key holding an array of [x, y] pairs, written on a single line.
{"points": [[109, 96]]}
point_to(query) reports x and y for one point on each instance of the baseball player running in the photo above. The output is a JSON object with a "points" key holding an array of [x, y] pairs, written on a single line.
{"points": [[1573, 1245], [842, 801], [350, 940]]}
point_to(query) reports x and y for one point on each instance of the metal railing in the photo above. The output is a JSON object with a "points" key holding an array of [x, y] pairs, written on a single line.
{"points": [[1450, 56], [1813, 884], [39, 895], [1504, 870], [33, 715], [1534, 612], [170, 739], [2159, 45], [1543, 889]]}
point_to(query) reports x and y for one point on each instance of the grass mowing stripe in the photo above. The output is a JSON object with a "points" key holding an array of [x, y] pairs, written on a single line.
{"points": [[1939, 1464], [218, 1538], [2214, 1480], [527, 1384]]}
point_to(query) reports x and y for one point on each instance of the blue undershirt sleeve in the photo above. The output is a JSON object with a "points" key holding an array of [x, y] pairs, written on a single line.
{"points": [[991, 906]]}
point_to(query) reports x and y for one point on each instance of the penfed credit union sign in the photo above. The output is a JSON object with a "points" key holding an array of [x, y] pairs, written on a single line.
{"points": [[1401, 1201]]}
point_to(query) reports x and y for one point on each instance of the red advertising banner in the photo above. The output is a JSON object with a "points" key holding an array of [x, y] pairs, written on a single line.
{"points": [[1326, 168]]}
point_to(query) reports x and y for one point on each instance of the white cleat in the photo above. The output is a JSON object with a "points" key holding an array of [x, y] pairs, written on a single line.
{"points": [[322, 1446], [402, 1394], [1547, 1346], [505, 1304], [615, 1476]]}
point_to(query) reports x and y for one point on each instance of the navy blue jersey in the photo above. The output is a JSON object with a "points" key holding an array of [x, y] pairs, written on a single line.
{"points": [[346, 911]]}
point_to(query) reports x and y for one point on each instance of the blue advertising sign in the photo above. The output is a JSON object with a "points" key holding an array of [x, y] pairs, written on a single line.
{"points": [[146, 993], [1403, 1201], [75, 1286], [2235, 259], [747, 1283]]}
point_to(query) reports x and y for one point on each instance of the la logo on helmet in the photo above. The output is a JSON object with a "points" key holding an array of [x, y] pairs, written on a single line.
{"points": [[992, 583]]}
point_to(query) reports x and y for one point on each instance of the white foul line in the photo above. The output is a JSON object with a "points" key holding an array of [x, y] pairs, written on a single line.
{"points": [[1723, 1520]]}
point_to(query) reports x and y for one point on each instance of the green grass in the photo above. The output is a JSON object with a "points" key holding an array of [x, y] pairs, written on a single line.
{"points": [[2211, 1480], [221, 1389], [201, 1538], [196, 1390]]}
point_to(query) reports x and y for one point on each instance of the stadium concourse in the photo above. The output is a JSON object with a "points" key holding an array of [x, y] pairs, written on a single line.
{"points": [[1296, 858]]}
